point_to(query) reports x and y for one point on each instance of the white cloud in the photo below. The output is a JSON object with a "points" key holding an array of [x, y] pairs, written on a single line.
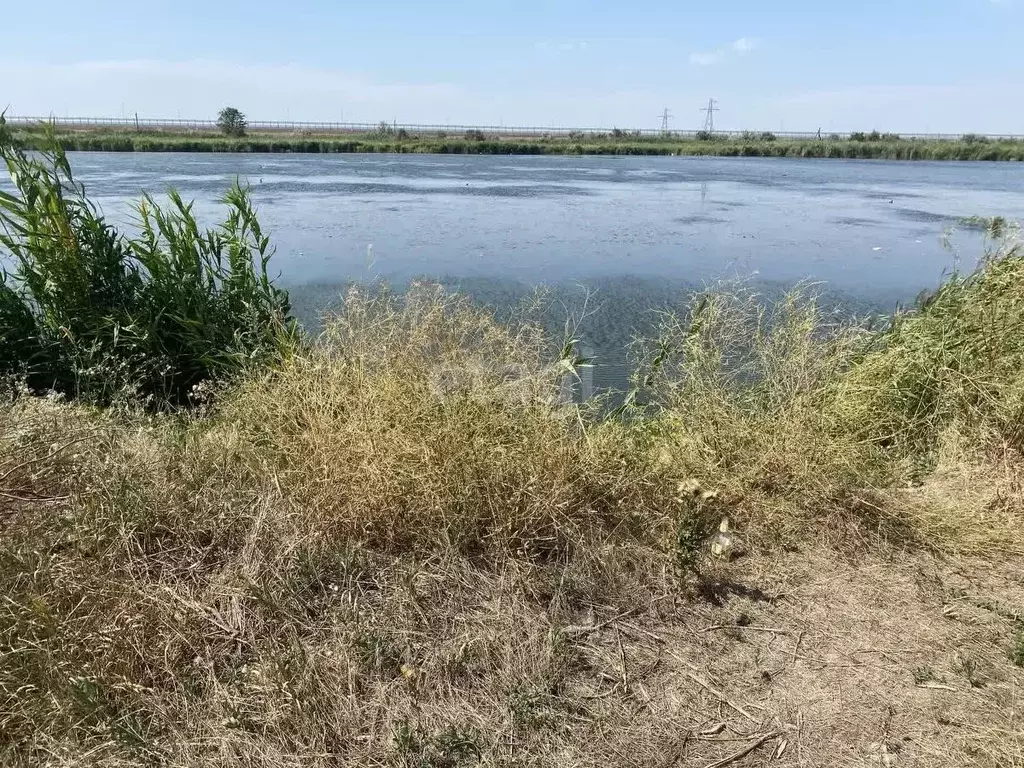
{"points": [[743, 46], [706, 59], [740, 47]]}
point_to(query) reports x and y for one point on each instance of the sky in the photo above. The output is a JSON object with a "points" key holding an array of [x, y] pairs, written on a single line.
{"points": [[943, 66]]}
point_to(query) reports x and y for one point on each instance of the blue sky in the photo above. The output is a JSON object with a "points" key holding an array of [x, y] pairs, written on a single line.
{"points": [[940, 65]]}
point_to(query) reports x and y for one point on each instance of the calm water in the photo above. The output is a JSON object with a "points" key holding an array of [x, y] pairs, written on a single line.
{"points": [[860, 225], [642, 231]]}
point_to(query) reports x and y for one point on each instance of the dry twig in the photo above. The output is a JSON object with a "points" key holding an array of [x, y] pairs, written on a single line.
{"points": [[746, 750]]}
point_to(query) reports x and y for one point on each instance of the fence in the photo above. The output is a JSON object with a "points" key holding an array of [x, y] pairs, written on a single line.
{"points": [[281, 126]]}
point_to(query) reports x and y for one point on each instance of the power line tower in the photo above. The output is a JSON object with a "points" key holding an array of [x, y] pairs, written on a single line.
{"points": [[709, 115], [665, 117]]}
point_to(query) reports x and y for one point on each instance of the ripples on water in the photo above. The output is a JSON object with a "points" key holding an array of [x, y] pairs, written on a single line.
{"points": [[639, 233]]}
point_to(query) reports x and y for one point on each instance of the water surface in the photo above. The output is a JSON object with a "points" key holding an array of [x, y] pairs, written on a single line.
{"points": [[864, 226]]}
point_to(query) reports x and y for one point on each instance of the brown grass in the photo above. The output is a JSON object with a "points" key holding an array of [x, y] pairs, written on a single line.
{"points": [[404, 548]]}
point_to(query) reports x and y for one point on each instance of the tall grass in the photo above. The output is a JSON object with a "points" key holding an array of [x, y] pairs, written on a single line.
{"points": [[744, 394], [90, 312], [798, 418], [955, 363], [885, 146]]}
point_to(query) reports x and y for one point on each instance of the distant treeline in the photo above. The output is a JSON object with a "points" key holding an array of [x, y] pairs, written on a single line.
{"points": [[859, 145]]}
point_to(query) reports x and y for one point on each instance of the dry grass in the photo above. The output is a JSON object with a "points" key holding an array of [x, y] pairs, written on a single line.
{"points": [[418, 418], [403, 548], [745, 395]]}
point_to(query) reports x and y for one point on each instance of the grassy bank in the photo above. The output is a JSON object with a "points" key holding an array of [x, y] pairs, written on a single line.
{"points": [[759, 145], [397, 544]]}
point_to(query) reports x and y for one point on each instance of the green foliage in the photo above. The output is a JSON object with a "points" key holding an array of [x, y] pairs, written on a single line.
{"points": [[956, 362], [231, 122], [693, 527], [386, 139], [1017, 650], [449, 748], [91, 313], [874, 136]]}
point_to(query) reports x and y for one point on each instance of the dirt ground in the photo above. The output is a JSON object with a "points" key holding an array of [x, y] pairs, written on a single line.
{"points": [[819, 660]]}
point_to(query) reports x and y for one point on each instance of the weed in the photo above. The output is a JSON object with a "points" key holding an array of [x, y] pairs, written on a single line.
{"points": [[967, 665], [449, 748], [1017, 649], [91, 313]]}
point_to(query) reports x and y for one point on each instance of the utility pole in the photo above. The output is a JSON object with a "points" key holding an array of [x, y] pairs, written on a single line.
{"points": [[709, 115], [665, 117]]}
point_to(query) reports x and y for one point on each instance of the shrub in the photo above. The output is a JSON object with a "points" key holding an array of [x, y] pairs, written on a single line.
{"points": [[475, 134], [956, 363], [705, 136], [767, 136], [91, 313]]}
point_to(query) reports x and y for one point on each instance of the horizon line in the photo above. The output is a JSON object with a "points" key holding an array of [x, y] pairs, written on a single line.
{"points": [[139, 122]]}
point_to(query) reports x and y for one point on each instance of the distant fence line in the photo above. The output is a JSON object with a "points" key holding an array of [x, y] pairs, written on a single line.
{"points": [[502, 130]]}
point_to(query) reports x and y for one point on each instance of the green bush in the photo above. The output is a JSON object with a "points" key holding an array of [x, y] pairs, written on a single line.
{"points": [[955, 363], [89, 312]]}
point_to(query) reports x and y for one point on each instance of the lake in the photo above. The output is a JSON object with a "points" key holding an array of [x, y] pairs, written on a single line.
{"points": [[640, 231]]}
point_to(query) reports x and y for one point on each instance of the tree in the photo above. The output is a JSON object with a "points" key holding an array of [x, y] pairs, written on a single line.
{"points": [[231, 122]]}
